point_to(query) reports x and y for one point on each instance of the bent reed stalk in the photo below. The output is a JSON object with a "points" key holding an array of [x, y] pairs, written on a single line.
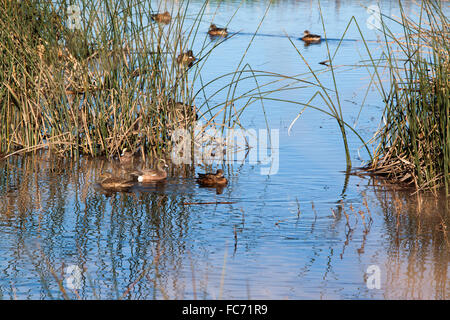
{"points": [[414, 143], [94, 85]]}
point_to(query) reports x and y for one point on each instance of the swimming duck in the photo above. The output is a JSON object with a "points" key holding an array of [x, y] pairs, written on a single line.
{"points": [[111, 183], [161, 17], [152, 175], [310, 38], [126, 157], [212, 179], [214, 31], [186, 58]]}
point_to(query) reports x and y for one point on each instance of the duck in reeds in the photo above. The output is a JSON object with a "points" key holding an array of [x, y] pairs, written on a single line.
{"points": [[161, 17], [111, 183], [212, 179], [126, 157], [152, 175], [310, 38], [215, 31], [186, 58], [184, 111]]}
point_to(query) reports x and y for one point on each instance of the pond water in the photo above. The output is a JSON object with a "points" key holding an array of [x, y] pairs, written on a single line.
{"points": [[307, 231]]}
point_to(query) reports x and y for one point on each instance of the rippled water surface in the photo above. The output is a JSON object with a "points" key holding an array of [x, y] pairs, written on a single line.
{"points": [[307, 231]]}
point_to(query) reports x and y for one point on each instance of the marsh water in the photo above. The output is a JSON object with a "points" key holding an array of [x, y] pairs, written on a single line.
{"points": [[307, 230]]}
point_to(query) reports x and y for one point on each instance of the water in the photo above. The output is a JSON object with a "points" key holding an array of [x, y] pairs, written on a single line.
{"points": [[308, 231]]}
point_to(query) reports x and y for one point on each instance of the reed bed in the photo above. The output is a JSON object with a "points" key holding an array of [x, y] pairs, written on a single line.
{"points": [[414, 142], [112, 81]]}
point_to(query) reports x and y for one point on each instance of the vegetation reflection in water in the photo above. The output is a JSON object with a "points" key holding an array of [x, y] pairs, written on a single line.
{"points": [[148, 244], [69, 217]]}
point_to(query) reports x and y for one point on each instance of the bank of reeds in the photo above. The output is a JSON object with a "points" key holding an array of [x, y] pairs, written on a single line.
{"points": [[414, 143], [97, 80]]}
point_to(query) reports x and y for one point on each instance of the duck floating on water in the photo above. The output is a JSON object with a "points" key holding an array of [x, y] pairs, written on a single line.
{"points": [[215, 31], [161, 17], [212, 179], [111, 183], [310, 38], [152, 175], [186, 58], [126, 157]]}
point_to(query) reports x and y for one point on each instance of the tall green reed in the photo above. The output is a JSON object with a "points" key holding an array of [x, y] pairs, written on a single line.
{"points": [[111, 82], [414, 143]]}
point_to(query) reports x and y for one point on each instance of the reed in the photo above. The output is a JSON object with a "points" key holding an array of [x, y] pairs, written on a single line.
{"points": [[414, 142], [113, 81]]}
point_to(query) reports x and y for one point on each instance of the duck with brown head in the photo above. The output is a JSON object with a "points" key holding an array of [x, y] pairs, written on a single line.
{"points": [[310, 38], [186, 59], [161, 17], [126, 157], [215, 31], [184, 111], [212, 179]]}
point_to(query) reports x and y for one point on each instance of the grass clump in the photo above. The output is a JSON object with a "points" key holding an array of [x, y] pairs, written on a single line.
{"points": [[414, 143], [94, 78]]}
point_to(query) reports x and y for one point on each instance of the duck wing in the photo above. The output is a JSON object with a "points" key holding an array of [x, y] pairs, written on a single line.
{"points": [[206, 176], [206, 181]]}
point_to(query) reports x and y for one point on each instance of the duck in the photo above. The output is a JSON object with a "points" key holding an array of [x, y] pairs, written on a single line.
{"points": [[215, 31], [111, 183], [152, 175], [186, 58], [126, 157], [212, 179], [184, 109], [310, 38], [161, 17]]}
